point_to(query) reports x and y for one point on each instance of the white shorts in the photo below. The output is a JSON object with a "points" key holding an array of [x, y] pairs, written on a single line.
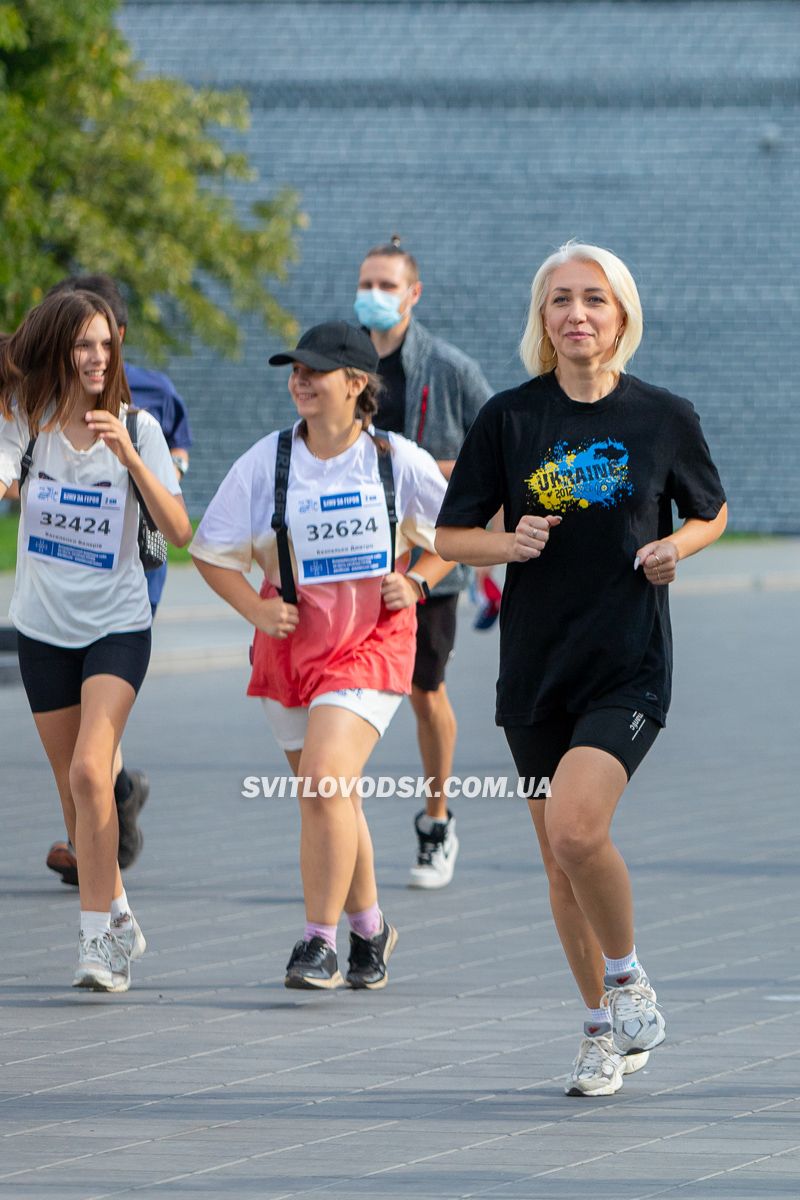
{"points": [[288, 725]]}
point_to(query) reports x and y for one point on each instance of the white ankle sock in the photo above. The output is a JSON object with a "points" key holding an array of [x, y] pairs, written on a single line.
{"points": [[598, 1016], [425, 823], [614, 966], [94, 924], [120, 906]]}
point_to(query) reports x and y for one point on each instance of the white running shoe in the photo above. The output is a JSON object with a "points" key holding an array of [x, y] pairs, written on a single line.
{"points": [[103, 965], [598, 1068], [636, 1022], [129, 935], [436, 857]]}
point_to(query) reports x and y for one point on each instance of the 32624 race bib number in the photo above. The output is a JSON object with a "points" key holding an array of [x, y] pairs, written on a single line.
{"points": [[340, 536], [70, 524]]}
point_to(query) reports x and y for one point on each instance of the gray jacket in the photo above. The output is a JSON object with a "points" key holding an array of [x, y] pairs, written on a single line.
{"points": [[444, 390]]}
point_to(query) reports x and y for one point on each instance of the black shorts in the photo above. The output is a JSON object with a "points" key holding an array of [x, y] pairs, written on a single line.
{"points": [[436, 635], [53, 675], [625, 733]]}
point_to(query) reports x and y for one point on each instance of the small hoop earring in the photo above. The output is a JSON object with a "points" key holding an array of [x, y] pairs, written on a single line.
{"points": [[539, 354]]}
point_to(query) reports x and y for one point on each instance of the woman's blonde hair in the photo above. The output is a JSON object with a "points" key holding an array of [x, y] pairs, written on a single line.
{"points": [[537, 351]]}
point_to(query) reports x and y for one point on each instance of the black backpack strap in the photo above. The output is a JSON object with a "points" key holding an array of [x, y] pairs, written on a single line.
{"points": [[283, 457], [130, 425], [387, 479], [26, 462]]}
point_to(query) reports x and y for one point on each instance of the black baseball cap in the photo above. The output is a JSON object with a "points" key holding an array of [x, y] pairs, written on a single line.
{"points": [[330, 346]]}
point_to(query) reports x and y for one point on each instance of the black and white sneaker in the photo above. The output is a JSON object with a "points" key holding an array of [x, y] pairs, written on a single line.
{"points": [[313, 965], [368, 958], [438, 850]]}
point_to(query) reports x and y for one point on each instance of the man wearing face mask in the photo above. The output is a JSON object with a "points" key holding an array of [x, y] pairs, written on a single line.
{"points": [[432, 393]]}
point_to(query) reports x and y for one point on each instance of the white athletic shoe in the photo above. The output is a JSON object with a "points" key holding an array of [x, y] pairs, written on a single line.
{"points": [[598, 1068], [103, 965], [436, 857], [636, 1022], [129, 936]]}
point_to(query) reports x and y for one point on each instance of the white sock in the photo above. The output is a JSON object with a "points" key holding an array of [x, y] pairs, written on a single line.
{"points": [[598, 1016], [425, 823], [615, 966], [120, 906], [94, 924]]}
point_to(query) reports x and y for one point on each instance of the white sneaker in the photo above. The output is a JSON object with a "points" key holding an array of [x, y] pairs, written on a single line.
{"points": [[103, 965], [636, 1022], [129, 935], [598, 1068], [436, 857]]}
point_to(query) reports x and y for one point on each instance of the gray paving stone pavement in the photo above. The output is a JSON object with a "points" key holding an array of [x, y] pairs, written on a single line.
{"points": [[208, 1079]]}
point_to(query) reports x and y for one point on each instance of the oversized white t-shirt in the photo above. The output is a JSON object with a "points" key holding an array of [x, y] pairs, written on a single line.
{"points": [[67, 603], [346, 637], [236, 528]]}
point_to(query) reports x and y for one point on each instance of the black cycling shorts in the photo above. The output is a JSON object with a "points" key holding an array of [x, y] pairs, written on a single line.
{"points": [[53, 675], [436, 635], [625, 733]]}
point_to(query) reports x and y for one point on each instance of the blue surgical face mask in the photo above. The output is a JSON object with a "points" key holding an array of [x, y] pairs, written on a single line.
{"points": [[377, 309]]}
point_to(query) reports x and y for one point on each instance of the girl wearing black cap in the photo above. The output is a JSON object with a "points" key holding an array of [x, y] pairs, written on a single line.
{"points": [[333, 667]]}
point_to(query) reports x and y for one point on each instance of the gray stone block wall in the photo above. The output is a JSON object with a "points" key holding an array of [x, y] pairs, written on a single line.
{"points": [[489, 133]]}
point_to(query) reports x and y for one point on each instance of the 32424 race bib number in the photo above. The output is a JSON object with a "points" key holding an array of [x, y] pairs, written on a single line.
{"points": [[340, 536], [77, 525]]}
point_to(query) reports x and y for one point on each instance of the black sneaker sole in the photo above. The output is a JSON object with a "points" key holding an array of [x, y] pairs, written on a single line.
{"points": [[313, 985]]}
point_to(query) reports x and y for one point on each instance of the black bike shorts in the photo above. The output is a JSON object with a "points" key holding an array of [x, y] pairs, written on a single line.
{"points": [[625, 733], [53, 675]]}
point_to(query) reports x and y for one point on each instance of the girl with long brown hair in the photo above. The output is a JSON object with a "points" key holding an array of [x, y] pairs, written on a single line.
{"points": [[80, 602]]}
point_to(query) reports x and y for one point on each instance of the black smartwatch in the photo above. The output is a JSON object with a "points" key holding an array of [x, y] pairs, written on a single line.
{"points": [[421, 583]]}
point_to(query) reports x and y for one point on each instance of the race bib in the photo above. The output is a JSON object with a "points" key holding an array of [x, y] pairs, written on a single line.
{"points": [[340, 536], [72, 524]]}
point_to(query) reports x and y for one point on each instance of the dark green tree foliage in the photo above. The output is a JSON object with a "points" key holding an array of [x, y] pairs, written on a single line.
{"points": [[104, 169]]}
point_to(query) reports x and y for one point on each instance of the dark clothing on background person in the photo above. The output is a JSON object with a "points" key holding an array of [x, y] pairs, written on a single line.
{"points": [[580, 628], [393, 396], [444, 391], [155, 393]]}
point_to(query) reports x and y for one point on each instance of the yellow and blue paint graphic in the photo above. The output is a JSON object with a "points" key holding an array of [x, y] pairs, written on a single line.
{"points": [[582, 477]]}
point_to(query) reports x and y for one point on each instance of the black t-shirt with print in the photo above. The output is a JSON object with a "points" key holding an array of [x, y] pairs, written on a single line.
{"points": [[579, 628]]}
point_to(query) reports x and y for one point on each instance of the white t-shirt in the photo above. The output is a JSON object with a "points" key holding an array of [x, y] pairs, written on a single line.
{"points": [[64, 603], [237, 527]]}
